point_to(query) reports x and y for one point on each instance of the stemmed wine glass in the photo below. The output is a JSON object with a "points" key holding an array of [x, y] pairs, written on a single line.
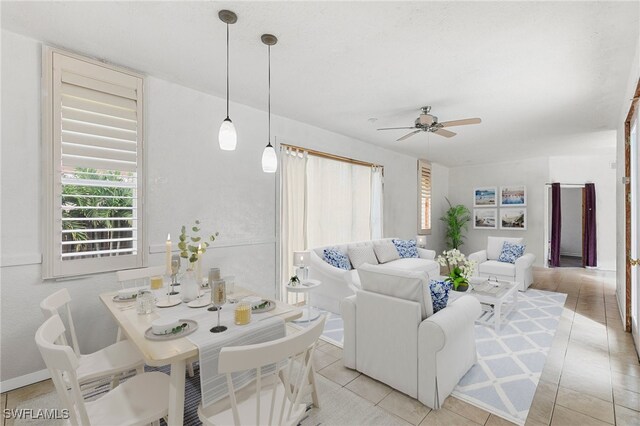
{"points": [[218, 298]]}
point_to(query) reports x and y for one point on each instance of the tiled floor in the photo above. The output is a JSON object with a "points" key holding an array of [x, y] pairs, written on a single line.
{"points": [[592, 374]]}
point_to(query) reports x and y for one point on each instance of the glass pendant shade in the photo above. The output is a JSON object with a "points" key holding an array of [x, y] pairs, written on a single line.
{"points": [[227, 137], [269, 159]]}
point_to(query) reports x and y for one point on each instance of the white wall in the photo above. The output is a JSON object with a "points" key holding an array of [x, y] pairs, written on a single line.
{"points": [[188, 178], [571, 235], [533, 173], [597, 170]]}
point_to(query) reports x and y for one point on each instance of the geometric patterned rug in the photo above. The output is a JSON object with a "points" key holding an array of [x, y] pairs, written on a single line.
{"points": [[510, 362]]}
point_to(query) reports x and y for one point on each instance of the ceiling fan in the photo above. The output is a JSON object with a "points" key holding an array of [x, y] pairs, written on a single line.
{"points": [[429, 123]]}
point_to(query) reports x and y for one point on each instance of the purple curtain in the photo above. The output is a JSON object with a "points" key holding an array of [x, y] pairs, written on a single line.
{"points": [[556, 225], [589, 246]]}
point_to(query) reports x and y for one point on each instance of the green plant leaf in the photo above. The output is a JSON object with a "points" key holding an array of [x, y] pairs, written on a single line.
{"points": [[195, 239], [195, 229], [183, 229], [197, 222], [213, 238], [193, 249], [182, 245]]}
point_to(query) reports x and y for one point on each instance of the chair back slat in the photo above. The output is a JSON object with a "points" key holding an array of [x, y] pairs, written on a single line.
{"points": [[53, 305], [297, 350], [59, 359]]}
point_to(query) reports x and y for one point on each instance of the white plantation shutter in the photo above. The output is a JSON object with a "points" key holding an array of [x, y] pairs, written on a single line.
{"points": [[96, 167], [424, 196]]}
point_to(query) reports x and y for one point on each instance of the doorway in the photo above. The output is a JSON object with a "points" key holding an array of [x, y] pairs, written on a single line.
{"points": [[572, 203]]}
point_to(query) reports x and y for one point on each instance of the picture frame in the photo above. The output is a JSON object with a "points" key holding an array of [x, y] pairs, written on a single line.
{"points": [[513, 218], [485, 196], [513, 196], [485, 218]]}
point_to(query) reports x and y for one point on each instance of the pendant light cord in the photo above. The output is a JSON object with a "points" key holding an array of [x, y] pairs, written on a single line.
{"points": [[269, 102], [227, 70]]}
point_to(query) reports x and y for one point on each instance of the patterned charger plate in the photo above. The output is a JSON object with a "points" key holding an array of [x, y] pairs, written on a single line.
{"points": [[190, 328]]}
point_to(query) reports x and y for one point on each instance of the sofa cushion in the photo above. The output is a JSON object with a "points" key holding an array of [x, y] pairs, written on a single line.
{"points": [[415, 264], [494, 245], [510, 252], [408, 285], [334, 257], [386, 251], [439, 294], [406, 248], [495, 267], [359, 255]]}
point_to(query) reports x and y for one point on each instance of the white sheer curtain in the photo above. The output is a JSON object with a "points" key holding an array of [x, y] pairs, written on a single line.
{"points": [[377, 207], [338, 202], [293, 208]]}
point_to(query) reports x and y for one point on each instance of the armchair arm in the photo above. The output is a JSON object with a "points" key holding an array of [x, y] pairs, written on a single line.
{"points": [[479, 257], [448, 322], [524, 273], [426, 253], [446, 350]]}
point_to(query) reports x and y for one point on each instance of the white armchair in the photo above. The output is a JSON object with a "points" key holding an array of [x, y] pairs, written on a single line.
{"points": [[488, 265], [391, 336]]}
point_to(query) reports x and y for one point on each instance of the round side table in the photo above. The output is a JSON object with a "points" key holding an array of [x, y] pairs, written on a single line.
{"points": [[305, 287]]}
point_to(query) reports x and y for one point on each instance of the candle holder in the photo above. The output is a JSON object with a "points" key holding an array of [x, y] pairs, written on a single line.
{"points": [[175, 268]]}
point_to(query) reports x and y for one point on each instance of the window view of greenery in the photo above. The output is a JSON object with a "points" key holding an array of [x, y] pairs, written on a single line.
{"points": [[98, 213]]}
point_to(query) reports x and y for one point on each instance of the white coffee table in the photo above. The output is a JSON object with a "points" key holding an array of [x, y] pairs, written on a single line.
{"points": [[495, 307], [306, 286]]}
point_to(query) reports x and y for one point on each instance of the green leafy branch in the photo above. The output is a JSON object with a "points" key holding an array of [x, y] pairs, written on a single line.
{"points": [[189, 243]]}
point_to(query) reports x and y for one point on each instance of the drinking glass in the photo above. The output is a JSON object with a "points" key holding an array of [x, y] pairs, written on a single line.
{"points": [[175, 268], [218, 298], [145, 302]]}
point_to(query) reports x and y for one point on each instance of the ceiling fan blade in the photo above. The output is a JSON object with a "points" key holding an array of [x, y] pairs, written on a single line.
{"points": [[408, 135], [395, 128], [445, 133], [463, 122], [426, 119]]}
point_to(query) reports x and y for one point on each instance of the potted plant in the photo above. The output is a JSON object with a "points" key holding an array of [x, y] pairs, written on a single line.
{"points": [[456, 218], [294, 281], [460, 268]]}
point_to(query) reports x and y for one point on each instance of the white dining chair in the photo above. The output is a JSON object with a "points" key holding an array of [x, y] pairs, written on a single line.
{"points": [[271, 399], [117, 358], [134, 275], [142, 399]]}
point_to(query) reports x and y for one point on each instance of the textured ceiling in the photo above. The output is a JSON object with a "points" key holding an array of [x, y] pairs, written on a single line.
{"points": [[543, 76]]}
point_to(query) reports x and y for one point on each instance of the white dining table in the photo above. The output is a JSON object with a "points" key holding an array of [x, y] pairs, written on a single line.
{"points": [[173, 352]]}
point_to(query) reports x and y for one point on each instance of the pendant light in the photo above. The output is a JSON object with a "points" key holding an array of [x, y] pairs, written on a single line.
{"points": [[269, 157], [227, 136]]}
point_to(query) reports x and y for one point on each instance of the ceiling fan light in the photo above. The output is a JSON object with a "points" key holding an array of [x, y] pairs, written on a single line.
{"points": [[227, 136], [269, 159]]}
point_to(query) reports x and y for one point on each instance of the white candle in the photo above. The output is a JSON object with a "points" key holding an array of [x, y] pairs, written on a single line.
{"points": [[167, 255], [199, 266]]}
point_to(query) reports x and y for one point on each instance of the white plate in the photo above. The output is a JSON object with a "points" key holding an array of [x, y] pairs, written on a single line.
{"points": [[200, 302], [117, 299], [164, 303], [271, 305], [190, 328]]}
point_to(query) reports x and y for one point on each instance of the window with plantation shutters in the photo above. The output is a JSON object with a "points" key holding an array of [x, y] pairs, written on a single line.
{"points": [[424, 197], [93, 137]]}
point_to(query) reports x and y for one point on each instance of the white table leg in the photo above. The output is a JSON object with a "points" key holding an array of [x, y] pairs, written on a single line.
{"points": [[497, 315], [176, 393], [309, 306]]}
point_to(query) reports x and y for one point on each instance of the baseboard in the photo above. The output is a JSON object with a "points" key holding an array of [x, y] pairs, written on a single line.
{"points": [[27, 379]]}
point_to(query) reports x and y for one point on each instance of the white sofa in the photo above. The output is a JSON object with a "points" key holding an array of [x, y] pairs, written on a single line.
{"points": [[390, 336], [339, 283], [489, 266]]}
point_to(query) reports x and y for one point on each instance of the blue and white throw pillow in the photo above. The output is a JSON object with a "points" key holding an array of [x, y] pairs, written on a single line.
{"points": [[439, 294], [334, 257], [406, 248], [510, 252]]}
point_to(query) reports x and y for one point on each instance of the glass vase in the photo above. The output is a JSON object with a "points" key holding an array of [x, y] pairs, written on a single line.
{"points": [[189, 286]]}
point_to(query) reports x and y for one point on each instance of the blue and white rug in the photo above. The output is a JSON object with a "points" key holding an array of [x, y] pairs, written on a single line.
{"points": [[510, 362]]}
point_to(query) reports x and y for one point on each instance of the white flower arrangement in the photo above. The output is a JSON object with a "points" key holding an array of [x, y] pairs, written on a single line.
{"points": [[460, 268]]}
